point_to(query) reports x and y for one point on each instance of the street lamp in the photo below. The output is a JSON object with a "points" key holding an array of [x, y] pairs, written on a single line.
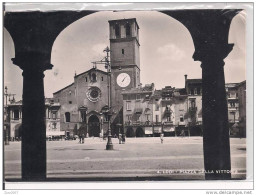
{"points": [[107, 64], [7, 125], [109, 145]]}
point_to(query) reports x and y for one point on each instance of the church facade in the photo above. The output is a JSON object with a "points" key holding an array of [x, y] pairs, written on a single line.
{"points": [[84, 103]]}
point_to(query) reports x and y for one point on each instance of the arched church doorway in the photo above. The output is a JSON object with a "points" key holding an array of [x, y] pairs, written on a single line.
{"points": [[129, 132], [139, 132], [94, 126]]}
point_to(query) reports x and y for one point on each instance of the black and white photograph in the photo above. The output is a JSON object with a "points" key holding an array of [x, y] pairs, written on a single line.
{"points": [[127, 92]]}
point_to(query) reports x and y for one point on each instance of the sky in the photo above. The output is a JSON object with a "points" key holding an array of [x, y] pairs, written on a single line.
{"points": [[166, 50]]}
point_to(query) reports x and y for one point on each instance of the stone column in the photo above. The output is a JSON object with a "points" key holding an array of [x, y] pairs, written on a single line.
{"points": [[209, 30], [33, 34], [216, 143], [33, 124]]}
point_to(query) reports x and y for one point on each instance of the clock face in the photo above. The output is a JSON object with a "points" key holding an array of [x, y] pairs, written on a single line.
{"points": [[93, 94], [123, 79]]}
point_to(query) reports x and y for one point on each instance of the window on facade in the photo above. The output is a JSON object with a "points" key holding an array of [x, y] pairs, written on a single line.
{"points": [[148, 117], [128, 105], [54, 125], [147, 97], [232, 104], [192, 103], [83, 116], [181, 118], [157, 118], [105, 117], [86, 79], [137, 96], [191, 92], [128, 30], [128, 97], [117, 30], [157, 107], [70, 92], [198, 90], [102, 78], [129, 117], [16, 114], [232, 116], [70, 102], [67, 117], [195, 91], [168, 118], [54, 115], [137, 117], [122, 51], [94, 77]]}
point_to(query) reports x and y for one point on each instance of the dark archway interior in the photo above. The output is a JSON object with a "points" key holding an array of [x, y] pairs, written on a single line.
{"points": [[139, 132], [94, 126], [130, 132]]}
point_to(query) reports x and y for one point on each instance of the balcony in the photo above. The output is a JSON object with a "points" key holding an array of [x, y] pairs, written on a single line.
{"points": [[167, 113], [168, 123], [128, 123], [157, 123], [233, 108], [181, 123], [138, 110], [232, 98], [233, 121], [192, 109], [148, 123], [136, 123], [53, 119]]}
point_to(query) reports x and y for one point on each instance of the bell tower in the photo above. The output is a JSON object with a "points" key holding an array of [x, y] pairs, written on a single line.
{"points": [[125, 58]]}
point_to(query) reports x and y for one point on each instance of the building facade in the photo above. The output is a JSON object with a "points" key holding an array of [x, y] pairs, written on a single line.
{"points": [[52, 119], [84, 103], [149, 112], [178, 111]]}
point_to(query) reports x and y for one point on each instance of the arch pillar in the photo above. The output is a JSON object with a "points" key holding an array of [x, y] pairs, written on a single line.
{"points": [[33, 34], [209, 30]]}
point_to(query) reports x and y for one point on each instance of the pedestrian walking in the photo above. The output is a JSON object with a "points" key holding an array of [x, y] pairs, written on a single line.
{"points": [[162, 138], [120, 138], [82, 138], [182, 134], [123, 139]]}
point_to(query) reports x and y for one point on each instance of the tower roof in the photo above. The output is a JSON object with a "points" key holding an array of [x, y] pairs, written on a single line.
{"points": [[124, 20]]}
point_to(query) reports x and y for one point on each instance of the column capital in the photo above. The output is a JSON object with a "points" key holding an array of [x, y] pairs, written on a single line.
{"points": [[32, 67], [212, 52]]}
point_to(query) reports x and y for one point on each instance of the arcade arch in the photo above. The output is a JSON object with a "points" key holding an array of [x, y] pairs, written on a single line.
{"points": [[211, 55]]}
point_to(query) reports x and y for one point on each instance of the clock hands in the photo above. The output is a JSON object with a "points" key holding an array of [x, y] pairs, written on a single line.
{"points": [[124, 79]]}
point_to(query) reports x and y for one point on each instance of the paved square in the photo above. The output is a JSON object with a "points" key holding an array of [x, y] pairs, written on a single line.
{"points": [[176, 158]]}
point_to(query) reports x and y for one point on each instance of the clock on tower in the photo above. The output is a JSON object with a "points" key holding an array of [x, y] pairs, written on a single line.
{"points": [[125, 59], [124, 55]]}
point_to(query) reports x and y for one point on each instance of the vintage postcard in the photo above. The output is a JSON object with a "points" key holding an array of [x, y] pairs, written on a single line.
{"points": [[127, 92]]}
